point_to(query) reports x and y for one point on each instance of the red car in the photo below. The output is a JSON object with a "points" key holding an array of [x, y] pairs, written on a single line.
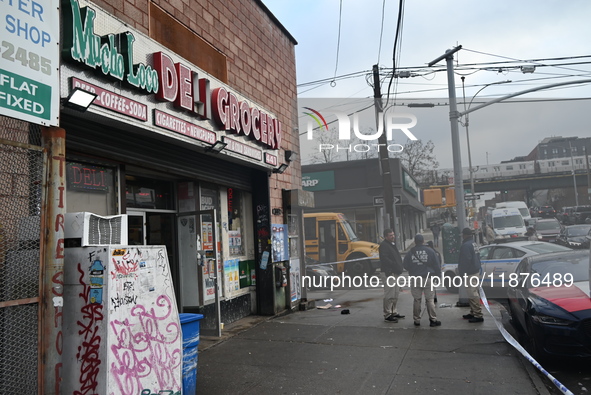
{"points": [[548, 229]]}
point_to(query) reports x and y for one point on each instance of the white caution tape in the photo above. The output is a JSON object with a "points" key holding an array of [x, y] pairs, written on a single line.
{"points": [[511, 340]]}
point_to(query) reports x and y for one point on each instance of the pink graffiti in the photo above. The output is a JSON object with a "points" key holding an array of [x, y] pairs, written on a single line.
{"points": [[88, 352], [142, 348]]}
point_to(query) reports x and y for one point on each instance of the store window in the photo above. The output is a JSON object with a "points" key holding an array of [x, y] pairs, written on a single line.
{"points": [[146, 193], [91, 188], [235, 221]]}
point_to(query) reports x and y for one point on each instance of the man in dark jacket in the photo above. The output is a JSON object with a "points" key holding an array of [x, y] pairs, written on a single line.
{"points": [[469, 267], [422, 265], [391, 266]]}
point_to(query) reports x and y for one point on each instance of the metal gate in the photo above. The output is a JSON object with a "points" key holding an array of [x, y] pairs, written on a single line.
{"points": [[21, 182]]}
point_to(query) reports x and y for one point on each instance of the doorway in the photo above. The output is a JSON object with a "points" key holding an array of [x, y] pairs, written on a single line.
{"points": [[201, 272], [155, 228]]}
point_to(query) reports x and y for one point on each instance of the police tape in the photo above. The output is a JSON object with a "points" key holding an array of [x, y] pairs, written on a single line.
{"points": [[511, 340], [336, 263]]}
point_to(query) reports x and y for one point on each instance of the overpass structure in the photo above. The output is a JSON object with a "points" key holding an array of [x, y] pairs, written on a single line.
{"points": [[532, 182]]}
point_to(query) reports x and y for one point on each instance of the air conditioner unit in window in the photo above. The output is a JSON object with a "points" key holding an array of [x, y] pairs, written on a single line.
{"points": [[88, 229]]}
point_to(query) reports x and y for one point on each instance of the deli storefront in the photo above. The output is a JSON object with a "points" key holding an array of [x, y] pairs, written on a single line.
{"points": [[147, 147]]}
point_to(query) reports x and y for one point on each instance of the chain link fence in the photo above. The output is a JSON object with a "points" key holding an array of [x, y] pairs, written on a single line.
{"points": [[21, 182]]}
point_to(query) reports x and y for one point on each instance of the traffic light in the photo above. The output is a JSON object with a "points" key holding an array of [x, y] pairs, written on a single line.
{"points": [[450, 196], [432, 197]]}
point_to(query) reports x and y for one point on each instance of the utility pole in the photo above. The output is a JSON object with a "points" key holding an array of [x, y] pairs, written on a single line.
{"points": [[588, 174], [389, 208], [454, 116], [572, 162]]}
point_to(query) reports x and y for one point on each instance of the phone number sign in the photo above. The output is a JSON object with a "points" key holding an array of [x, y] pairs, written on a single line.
{"points": [[29, 60]]}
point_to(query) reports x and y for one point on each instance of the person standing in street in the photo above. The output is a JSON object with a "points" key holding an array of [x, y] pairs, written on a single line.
{"points": [[436, 230], [422, 262], [430, 245], [469, 267], [391, 267]]}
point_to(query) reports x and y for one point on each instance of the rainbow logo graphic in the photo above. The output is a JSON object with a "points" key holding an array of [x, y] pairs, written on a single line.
{"points": [[317, 117]]}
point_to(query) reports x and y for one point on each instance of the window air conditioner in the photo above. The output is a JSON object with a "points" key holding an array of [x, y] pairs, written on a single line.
{"points": [[88, 229]]}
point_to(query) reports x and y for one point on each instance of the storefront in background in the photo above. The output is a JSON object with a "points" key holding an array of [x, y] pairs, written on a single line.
{"points": [[147, 148], [355, 188]]}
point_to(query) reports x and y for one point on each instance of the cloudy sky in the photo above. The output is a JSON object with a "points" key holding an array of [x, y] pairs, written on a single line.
{"points": [[497, 38]]}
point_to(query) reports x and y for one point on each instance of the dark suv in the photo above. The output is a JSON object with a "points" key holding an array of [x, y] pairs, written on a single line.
{"points": [[546, 212], [581, 214], [566, 216]]}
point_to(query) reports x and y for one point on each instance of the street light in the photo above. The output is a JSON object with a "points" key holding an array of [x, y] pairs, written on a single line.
{"points": [[466, 124]]}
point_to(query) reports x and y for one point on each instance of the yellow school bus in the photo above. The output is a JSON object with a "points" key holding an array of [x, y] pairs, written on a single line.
{"points": [[330, 238]]}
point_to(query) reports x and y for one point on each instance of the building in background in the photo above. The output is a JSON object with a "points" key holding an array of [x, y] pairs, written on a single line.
{"points": [[355, 188], [560, 147]]}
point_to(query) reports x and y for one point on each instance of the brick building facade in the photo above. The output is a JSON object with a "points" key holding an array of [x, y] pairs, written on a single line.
{"points": [[172, 79]]}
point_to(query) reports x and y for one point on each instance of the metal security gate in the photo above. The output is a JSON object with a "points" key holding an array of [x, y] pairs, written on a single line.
{"points": [[21, 181]]}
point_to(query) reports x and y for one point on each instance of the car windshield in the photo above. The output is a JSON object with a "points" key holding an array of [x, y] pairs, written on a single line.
{"points": [[547, 225], [542, 248], [524, 212], [578, 230], [577, 266], [510, 221]]}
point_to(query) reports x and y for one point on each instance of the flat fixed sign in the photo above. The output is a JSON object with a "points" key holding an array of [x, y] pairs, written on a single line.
{"points": [[29, 60]]}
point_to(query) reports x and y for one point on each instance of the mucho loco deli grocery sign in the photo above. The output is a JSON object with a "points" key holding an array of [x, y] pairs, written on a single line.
{"points": [[177, 83]]}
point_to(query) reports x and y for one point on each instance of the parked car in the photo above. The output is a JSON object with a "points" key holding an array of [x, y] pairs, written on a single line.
{"points": [[546, 212], [565, 216], [582, 214], [548, 229], [575, 236], [500, 260], [553, 315]]}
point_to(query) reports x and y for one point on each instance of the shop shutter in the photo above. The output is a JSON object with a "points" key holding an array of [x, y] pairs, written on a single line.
{"points": [[139, 147]]}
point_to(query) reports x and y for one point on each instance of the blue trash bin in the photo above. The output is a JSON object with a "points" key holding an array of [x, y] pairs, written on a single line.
{"points": [[190, 329]]}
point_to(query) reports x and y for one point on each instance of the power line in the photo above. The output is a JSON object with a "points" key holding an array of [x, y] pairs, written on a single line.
{"points": [[333, 83], [487, 66]]}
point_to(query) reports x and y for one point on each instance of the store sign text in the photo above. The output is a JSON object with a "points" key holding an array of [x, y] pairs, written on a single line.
{"points": [[168, 81], [112, 54]]}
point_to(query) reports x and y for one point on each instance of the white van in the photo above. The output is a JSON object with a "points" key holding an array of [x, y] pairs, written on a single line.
{"points": [[506, 224], [521, 206]]}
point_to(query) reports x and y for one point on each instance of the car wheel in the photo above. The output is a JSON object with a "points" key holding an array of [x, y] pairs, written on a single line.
{"points": [[358, 267]]}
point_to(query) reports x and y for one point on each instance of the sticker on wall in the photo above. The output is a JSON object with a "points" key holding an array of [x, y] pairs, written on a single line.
{"points": [[97, 268], [264, 260]]}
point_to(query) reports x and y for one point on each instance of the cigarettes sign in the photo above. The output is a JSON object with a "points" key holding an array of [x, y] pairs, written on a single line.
{"points": [[29, 60]]}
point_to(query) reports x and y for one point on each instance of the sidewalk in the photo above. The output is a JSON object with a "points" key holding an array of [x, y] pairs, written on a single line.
{"points": [[322, 351]]}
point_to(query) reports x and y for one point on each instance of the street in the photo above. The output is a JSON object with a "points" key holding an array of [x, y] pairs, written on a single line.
{"points": [[323, 350]]}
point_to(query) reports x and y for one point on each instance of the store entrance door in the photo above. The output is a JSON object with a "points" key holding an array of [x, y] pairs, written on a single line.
{"points": [[155, 228], [152, 228], [199, 267]]}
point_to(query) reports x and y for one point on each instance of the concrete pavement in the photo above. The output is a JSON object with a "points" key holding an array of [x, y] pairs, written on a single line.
{"points": [[322, 351]]}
